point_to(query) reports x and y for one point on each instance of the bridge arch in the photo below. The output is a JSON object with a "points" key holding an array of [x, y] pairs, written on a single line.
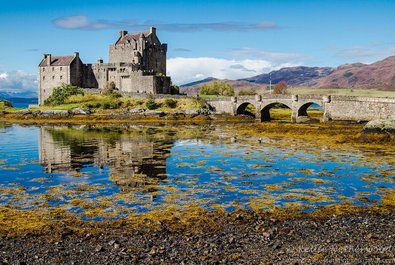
{"points": [[265, 111], [242, 109], [302, 110]]}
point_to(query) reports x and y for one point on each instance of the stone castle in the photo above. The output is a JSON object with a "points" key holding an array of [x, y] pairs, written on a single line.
{"points": [[137, 64]]}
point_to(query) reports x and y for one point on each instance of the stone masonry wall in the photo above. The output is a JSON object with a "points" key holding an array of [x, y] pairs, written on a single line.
{"points": [[361, 108], [51, 77]]}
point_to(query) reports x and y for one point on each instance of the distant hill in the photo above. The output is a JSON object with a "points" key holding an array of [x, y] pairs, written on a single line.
{"points": [[206, 80], [20, 100], [294, 76], [26, 94], [194, 87], [376, 75]]}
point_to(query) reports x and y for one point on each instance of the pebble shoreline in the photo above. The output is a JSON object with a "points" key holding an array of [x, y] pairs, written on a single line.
{"points": [[241, 239]]}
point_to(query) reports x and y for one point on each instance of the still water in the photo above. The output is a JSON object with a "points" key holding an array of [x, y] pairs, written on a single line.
{"points": [[110, 172]]}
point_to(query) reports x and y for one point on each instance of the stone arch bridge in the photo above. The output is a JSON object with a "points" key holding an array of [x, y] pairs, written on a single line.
{"points": [[334, 107]]}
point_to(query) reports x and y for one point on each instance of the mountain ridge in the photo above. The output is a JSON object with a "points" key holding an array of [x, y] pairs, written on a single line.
{"points": [[377, 75]]}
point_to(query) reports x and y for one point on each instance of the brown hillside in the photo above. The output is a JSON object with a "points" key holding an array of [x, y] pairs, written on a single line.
{"points": [[376, 75]]}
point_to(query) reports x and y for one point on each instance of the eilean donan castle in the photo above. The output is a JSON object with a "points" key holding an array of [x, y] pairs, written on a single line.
{"points": [[137, 64]]}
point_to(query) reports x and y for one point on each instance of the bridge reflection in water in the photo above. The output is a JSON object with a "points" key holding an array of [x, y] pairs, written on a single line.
{"points": [[133, 159]]}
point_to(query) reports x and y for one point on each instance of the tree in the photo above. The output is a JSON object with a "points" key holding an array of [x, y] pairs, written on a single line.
{"points": [[174, 89], [219, 88], [280, 88], [61, 93], [110, 87], [248, 92], [151, 103]]}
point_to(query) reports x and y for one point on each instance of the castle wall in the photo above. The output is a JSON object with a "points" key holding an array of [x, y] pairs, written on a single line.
{"points": [[51, 77], [125, 53], [154, 55], [76, 73], [138, 83], [89, 78], [137, 64]]}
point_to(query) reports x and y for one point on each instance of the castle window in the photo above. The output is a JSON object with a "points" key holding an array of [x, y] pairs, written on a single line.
{"points": [[53, 69], [61, 68], [43, 69], [43, 77], [53, 77], [61, 77]]}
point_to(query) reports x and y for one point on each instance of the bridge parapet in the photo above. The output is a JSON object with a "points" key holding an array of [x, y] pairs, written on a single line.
{"points": [[334, 107]]}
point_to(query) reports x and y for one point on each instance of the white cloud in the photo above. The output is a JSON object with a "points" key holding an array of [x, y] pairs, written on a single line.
{"points": [[273, 56], [82, 22], [185, 70], [18, 82], [79, 22], [367, 55]]}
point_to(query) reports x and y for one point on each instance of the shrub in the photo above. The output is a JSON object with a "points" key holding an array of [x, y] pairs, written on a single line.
{"points": [[151, 104], [219, 88], [347, 74], [280, 88], [248, 92], [109, 89], [174, 89], [5, 104], [61, 93], [171, 103]]}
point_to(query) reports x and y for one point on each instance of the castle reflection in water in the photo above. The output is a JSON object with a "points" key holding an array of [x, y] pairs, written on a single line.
{"points": [[134, 157]]}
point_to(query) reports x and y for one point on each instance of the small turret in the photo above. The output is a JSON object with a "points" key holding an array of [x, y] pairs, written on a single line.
{"points": [[123, 33], [47, 58]]}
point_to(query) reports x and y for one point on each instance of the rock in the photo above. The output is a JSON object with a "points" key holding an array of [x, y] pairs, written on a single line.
{"points": [[192, 112], [81, 111], [98, 248], [266, 236], [51, 113], [380, 126], [195, 112], [23, 112], [154, 113], [205, 112], [138, 110]]}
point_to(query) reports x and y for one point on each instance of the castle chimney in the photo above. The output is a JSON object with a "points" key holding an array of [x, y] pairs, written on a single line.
{"points": [[100, 61], [76, 54], [152, 30], [47, 58], [122, 33]]}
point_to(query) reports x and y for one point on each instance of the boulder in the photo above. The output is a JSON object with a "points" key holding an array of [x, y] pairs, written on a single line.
{"points": [[52, 113], [380, 126], [81, 111], [194, 112], [23, 112], [135, 111], [154, 113]]}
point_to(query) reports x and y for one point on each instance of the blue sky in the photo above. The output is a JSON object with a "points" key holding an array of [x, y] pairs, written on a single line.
{"points": [[225, 39]]}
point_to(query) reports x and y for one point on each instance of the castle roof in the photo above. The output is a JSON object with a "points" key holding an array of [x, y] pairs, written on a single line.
{"points": [[134, 36], [59, 61]]}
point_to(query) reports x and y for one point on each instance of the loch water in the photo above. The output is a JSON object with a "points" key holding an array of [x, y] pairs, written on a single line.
{"points": [[109, 172]]}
